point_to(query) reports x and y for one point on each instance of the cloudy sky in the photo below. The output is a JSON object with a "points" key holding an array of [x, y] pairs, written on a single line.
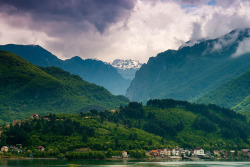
{"points": [[111, 29]]}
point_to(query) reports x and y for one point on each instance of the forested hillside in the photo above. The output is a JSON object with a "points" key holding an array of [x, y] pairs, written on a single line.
{"points": [[26, 89], [159, 124], [231, 94]]}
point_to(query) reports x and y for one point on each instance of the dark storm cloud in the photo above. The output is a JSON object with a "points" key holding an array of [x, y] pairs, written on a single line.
{"points": [[79, 13]]}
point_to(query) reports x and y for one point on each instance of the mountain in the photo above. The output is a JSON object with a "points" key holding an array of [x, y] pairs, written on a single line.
{"points": [[127, 68], [126, 64], [235, 92], [26, 89], [191, 71], [98, 72], [159, 124], [90, 70]]}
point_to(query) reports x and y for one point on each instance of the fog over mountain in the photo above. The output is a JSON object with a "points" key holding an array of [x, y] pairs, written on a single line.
{"points": [[192, 70]]}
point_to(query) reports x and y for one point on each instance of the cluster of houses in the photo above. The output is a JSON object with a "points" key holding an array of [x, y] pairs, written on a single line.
{"points": [[177, 152], [17, 148]]}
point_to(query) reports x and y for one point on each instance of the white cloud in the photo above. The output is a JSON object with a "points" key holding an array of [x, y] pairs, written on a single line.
{"points": [[243, 47], [152, 27]]}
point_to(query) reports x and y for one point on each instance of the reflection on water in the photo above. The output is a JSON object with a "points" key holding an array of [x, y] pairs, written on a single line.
{"points": [[120, 163]]}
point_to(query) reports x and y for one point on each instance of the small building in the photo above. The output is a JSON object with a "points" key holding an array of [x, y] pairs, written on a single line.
{"points": [[167, 152], [154, 152], [198, 152], [185, 152], [14, 149], [245, 152], [47, 119], [161, 152], [34, 116], [232, 152], [5, 149], [124, 154], [15, 122], [216, 152], [175, 151], [40, 148]]}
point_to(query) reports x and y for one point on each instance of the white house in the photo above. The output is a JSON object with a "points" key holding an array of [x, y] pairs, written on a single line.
{"points": [[167, 152], [198, 152], [162, 153], [5, 149], [175, 151]]}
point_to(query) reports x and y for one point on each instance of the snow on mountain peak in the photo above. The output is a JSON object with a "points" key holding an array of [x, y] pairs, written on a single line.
{"points": [[126, 64]]}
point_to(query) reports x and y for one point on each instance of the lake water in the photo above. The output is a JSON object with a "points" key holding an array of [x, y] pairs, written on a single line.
{"points": [[120, 163]]}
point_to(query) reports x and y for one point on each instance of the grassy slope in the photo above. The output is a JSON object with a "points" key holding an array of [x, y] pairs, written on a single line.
{"points": [[26, 89]]}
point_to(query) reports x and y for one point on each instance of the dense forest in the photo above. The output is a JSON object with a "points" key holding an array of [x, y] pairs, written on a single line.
{"points": [[136, 128], [232, 94]]}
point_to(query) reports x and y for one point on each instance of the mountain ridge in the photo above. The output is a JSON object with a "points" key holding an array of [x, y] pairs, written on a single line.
{"points": [[94, 71], [191, 71]]}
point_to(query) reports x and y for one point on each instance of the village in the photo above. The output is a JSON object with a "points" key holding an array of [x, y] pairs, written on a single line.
{"points": [[166, 153], [175, 153], [196, 153]]}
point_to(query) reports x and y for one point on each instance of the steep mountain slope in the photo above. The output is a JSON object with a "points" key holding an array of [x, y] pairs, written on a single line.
{"points": [[191, 71], [26, 89], [127, 68], [93, 71], [230, 93]]}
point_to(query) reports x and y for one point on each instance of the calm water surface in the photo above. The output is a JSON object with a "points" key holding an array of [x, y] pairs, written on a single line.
{"points": [[120, 163]]}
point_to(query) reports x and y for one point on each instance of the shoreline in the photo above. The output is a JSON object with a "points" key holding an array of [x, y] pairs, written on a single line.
{"points": [[129, 159]]}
